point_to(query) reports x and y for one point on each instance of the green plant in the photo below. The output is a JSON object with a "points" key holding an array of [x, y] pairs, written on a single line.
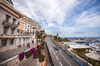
{"points": [[39, 51], [65, 45], [32, 41], [42, 46], [41, 58], [28, 54]]}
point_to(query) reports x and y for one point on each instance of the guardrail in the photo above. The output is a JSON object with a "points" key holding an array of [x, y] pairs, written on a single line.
{"points": [[52, 64], [80, 63]]}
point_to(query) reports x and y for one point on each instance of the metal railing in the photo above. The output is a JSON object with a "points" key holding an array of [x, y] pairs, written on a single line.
{"points": [[14, 36]]}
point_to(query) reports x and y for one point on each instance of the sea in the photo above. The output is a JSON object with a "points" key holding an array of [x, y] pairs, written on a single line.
{"points": [[79, 37], [89, 42]]}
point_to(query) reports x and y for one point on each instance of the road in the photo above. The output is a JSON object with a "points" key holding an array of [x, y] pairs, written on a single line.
{"points": [[59, 58]]}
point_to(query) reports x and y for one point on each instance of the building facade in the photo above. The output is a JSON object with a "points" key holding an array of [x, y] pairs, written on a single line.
{"points": [[16, 29], [30, 28], [8, 25]]}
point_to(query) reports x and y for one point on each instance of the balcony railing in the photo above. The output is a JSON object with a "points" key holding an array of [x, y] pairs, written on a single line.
{"points": [[10, 24], [14, 36], [23, 36], [7, 36], [6, 23]]}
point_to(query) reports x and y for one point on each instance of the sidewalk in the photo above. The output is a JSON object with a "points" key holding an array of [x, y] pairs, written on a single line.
{"points": [[14, 57], [34, 62]]}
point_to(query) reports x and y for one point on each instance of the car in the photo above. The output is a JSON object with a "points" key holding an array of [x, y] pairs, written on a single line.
{"points": [[55, 48]]}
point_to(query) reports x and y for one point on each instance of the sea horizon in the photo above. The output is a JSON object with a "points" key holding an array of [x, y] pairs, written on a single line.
{"points": [[80, 37]]}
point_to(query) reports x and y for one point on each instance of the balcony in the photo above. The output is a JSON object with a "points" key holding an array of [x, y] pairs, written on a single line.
{"points": [[6, 23], [10, 24], [14, 26], [23, 36], [14, 36], [7, 36]]}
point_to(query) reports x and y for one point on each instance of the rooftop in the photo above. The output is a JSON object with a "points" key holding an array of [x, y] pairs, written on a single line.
{"points": [[76, 45]]}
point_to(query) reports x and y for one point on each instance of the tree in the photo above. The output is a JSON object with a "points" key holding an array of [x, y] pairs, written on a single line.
{"points": [[57, 34], [59, 39], [65, 39], [55, 37], [41, 35]]}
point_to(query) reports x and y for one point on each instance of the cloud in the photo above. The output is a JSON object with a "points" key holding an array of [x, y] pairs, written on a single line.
{"points": [[49, 10], [64, 15], [48, 32], [86, 20]]}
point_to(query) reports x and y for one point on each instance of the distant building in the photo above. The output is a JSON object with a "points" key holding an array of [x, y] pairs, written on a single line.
{"points": [[74, 45]]}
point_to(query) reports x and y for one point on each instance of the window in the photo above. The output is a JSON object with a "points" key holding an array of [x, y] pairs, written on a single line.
{"points": [[4, 41], [5, 29], [33, 32], [7, 17], [23, 44], [14, 20], [11, 41], [12, 31], [24, 41], [19, 46], [36, 32], [18, 30], [19, 40]]}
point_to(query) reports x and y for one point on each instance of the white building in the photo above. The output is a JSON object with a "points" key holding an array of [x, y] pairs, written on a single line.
{"points": [[16, 29]]}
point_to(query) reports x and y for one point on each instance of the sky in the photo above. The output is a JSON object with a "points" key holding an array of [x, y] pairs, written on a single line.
{"points": [[68, 18]]}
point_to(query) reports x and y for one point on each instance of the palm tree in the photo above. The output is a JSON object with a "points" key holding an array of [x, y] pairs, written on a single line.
{"points": [[41, 35]]}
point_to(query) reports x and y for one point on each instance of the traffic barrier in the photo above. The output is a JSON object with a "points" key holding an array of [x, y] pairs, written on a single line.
{"points": [[77, 61], [68, 53], [59, 46], [62, 49]]}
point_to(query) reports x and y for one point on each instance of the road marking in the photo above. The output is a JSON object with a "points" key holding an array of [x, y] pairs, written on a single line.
{"points": [[57, 58], [60, 50], [60, 63], [69, 60], [54, 53], [50, 51], [65, 59]]}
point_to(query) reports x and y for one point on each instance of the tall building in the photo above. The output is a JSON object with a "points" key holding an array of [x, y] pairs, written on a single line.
{"points": [[16, 29]]}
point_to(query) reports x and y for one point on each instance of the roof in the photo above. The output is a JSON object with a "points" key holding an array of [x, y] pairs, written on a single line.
{"points": [[76, 45], [79, 46], [10, 1], [12, 9]]}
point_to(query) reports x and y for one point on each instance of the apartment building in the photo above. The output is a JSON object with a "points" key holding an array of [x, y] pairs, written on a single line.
{"points": [[8, 25], [16, 29], [30, 28]]}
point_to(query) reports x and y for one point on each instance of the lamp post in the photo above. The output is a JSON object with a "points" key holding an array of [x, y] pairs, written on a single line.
{"points": [[87, 60]]}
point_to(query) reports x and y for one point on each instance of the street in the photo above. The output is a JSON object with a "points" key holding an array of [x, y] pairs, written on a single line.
{"points": [[59, 58]]}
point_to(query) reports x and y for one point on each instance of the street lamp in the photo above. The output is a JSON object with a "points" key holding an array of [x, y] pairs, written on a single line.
{"points": [[87, 60]]}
